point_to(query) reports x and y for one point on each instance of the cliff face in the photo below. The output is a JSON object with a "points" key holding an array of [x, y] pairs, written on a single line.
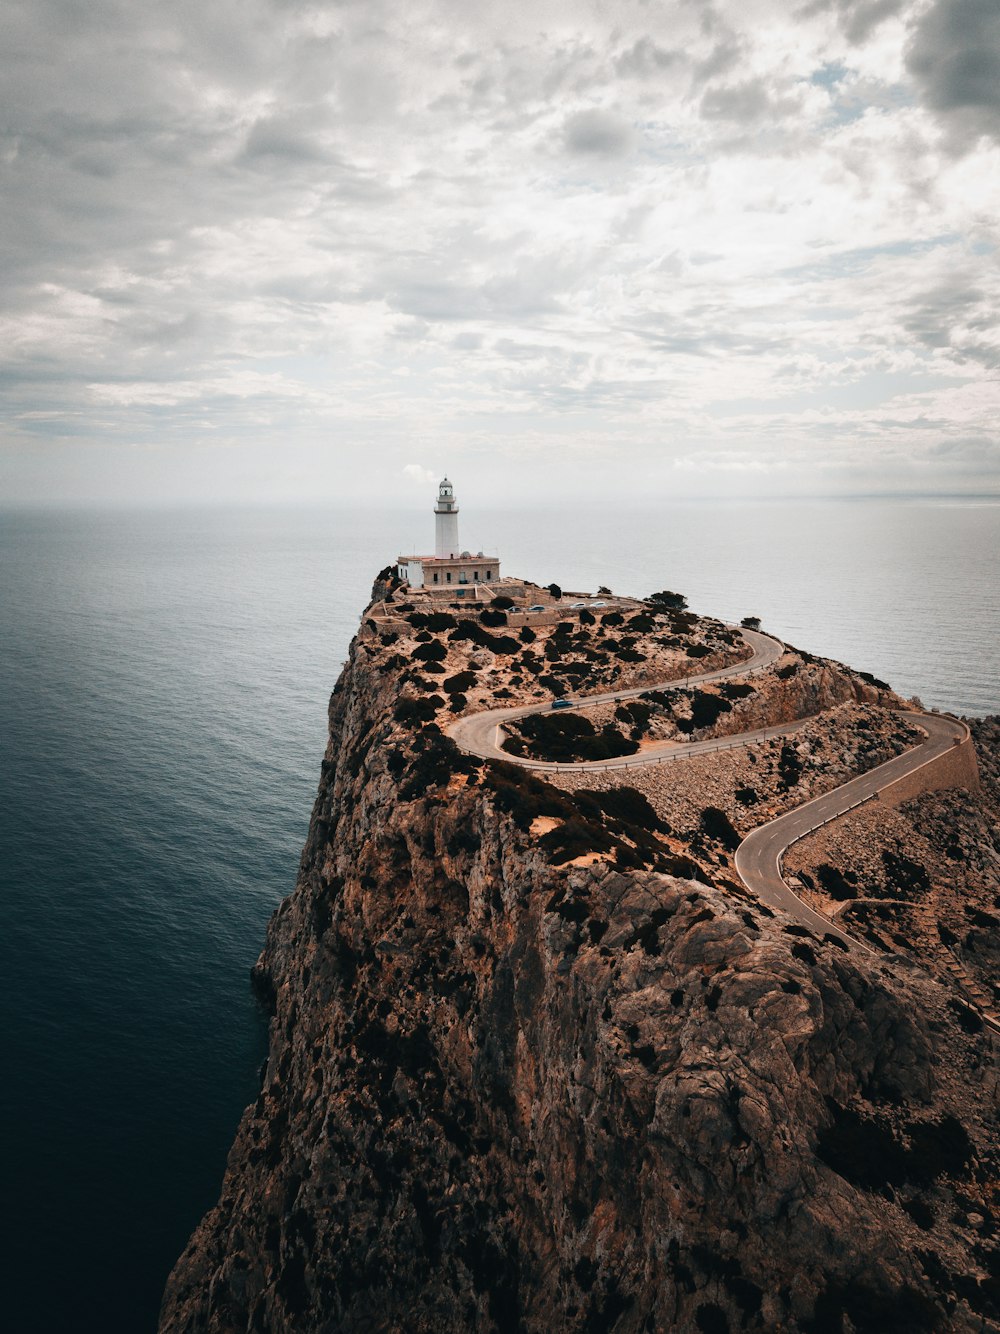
{"points": [[507, 1093]]}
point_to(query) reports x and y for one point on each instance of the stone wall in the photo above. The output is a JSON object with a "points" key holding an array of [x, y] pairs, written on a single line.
{"points": [[955, 768]]}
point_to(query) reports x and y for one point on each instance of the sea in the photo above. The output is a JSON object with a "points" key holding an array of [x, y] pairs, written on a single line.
{"points": [[164, 677]]}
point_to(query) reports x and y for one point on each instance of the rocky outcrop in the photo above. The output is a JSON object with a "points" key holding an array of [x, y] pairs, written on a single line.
{"points": [[505, 1091]]}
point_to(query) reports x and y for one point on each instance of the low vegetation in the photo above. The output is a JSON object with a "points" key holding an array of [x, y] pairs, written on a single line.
{"points": [[568, 737]]}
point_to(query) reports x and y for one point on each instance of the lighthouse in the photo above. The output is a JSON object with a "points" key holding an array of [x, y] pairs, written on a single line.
{"points": [[450, 572], [446, 523]]}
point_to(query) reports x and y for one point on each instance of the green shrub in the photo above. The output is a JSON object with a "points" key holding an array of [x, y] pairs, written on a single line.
{"points": [[552, 684], [736, 689], [434, 651], [435, 620], [904, 875], [834, 884], [789, 765], [568, 737], [706, 709], [524, 797], [636, 713], [673, 601], [410, 710], [626, 804], [460, 681], [575, 838], [476, 634], [642, 623], [873, 680], [434, 765], [716, 824]]}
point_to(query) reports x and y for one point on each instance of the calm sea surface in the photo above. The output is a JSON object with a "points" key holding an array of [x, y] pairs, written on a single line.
{"points": [[163, 687]]}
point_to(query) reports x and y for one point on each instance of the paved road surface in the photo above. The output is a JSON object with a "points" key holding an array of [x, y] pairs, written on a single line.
{"points": [[758, 858], [482, 733]]}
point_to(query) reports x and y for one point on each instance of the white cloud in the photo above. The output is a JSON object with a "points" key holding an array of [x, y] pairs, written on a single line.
{"points": [[738, 234], [417, 473]]}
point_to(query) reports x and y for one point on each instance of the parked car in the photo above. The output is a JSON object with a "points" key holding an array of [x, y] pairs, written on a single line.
{"points": [[562, 703], [537, 607], [598, 604]]}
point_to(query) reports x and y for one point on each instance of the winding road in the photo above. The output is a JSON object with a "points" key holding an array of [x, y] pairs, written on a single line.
{"points": [[758, 857]]}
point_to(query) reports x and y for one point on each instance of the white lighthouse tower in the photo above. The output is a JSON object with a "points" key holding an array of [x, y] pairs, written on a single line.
{"points": [[450, 572], [446, 523]]}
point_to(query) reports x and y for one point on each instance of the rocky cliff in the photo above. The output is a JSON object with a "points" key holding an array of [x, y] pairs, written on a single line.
{"points": [[538, 1062]]}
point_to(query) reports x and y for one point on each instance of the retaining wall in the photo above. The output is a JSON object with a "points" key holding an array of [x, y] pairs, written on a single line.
{"points": [[955, 768]]}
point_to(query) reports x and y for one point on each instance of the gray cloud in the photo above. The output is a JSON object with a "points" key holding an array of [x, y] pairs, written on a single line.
{"points": [[955, 59], [722, 57], [858, 18], [599, 132], [287, 227], [743, 102], [960, 316], [646, 57]]}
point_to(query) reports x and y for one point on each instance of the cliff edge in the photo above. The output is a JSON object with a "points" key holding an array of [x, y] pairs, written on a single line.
{"points": [[538, 1061]]}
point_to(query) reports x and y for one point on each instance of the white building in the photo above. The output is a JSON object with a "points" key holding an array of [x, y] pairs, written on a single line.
{"points": [[450, 568]]}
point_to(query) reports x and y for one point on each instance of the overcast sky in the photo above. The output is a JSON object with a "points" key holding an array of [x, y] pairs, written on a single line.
{"points": [[257, 249]]}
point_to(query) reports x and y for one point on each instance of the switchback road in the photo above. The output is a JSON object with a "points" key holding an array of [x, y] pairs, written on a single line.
{"points": [[482, 734], [758, 857]]}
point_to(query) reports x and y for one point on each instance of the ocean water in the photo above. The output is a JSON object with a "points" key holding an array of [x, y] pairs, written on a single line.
{"points": [[163, 688]]}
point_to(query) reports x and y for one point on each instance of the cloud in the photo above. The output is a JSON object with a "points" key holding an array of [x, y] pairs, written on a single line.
{"points": [[858, 18], [954, 58], [742, 102], [418, 474], [603, 133], [348, 234]]}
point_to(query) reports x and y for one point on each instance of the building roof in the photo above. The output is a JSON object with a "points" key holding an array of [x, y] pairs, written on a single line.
{"points": [[466, 558]]}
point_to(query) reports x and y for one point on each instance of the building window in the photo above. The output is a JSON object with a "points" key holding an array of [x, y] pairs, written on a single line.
{"points": [[448, 576], [461, 592], [435, 576]]}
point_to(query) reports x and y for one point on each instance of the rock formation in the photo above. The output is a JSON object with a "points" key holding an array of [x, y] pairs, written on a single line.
{"points": [[539, 1062]]}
